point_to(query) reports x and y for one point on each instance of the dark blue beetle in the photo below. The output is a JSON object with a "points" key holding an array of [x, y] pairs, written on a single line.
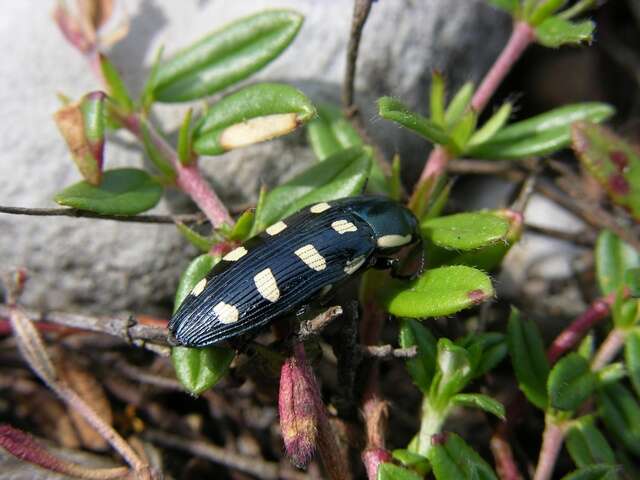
{"points": [[292, 262]]}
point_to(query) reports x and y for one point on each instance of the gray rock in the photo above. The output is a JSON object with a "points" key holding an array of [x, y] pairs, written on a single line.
{"points": [[108, 266]]}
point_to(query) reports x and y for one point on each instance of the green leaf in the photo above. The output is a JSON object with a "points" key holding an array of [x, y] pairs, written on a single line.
{"points": [[437, 99], [197, 240], [570, 382], [465, 231], [478, 400], [394, 110], [199, 369], [423, 366], [626, 313], [226, 56], [242, 229], [146, 97], [124, 191], [493, 347], [459, 104], [196, 271], [342, 175], [555, 32], [437, 292], [586, 444], [632, 358], [612, 161], [613, 258], [544, 10], [632, 279], [412, 460], [528, 357], [184, 139], [116, 87], [614, 372], [491, 127], [586, 349], [453, 370], [395, 182], [155, 155], [330, 132], [509, 6], [540, 135], [593, 472], [461, 133], [389, 471], [621, 414], [456, 460], [252, 114]]}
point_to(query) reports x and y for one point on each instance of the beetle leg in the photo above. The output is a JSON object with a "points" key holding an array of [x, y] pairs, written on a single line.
{"points": [[384, 263]]}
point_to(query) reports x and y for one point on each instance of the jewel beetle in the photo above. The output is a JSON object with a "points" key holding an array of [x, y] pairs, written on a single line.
{"points": [[295, 260]]}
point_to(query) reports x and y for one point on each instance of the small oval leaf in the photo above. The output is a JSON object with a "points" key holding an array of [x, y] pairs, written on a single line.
{"points": [[253, 114], [586, 443], [389, 471], [342, 175], [124, 191], [455, 459], [466, 231], [621, 414], [613, 258], [555, 32], [528, 357], [594, 472], [226, 56], [423, 366], [478, 400], [570, 382], [540, 135], [437, 292], [199, 369], [632, 358]]}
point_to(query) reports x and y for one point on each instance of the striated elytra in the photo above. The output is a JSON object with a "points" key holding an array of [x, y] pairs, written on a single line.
{"points": [[294, 261]]}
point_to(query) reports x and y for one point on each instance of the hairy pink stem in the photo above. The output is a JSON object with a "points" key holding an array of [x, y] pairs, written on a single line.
{"points": [[521, 37], [551, 443], [189, 179], [608, 350], [571, 335]]}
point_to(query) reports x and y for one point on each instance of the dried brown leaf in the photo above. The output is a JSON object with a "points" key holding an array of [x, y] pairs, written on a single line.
{"points": [[86, 385]]}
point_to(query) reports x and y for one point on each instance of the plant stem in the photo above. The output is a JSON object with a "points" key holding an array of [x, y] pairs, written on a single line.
{"points": [[506, 466], [361, 9], [552, 439], [521, 37], [571, 335], [430, 424], [608, 350], [189, 178]]}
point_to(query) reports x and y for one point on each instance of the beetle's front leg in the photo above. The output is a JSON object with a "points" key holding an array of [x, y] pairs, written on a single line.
{"points": [[393, 264]]}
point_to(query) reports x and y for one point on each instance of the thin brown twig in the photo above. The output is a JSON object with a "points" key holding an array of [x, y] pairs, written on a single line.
{"points": [[552, 439], [124, 327], [585, 238], [248, 464], [72, 212], [386, 352]]}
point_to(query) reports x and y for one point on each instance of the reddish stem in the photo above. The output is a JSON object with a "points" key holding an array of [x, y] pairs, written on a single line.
{"points": [[521, 37], [551, 443], [505, 464], [571, 335], [189, 179]]}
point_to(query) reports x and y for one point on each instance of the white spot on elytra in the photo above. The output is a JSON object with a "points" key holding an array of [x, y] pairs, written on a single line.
{"points": [[391, 241], [353, 265], [226, 313], [320, 207], [235, 254], [197, 290], [258, 129], [276, 228], [343, 226], [267, 285], [310, 256]]}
